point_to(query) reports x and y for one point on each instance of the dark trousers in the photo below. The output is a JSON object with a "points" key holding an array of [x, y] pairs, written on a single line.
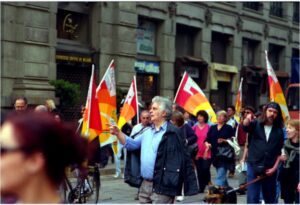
{"points": [[203, 173], [289, 185], [266, 185], [291, 196]]}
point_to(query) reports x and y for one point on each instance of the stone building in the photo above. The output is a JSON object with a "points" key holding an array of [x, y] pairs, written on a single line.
{"points": [[217, 43]]}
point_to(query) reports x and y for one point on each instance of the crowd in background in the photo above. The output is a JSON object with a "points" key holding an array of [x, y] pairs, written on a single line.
{"points": [[259, 145]]}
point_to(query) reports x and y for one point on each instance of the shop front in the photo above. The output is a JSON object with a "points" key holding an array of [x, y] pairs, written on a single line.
{"points": [[223, 84], [74, 68], [195, 67], [147, 79]]}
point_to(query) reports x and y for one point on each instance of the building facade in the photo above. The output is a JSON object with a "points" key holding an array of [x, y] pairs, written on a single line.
{"points": [[216, 43]]}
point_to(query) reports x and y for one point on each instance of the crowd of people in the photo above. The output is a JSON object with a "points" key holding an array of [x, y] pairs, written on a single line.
{"points": [[169, 153], [260, 144]]}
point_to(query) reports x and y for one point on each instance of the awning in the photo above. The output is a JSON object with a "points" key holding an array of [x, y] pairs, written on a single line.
{"points": [[194, 60], [196, 68], [224, 73]]}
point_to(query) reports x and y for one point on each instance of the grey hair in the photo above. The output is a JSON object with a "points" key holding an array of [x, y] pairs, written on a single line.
{"points": [[164, 105], [41, 108]]}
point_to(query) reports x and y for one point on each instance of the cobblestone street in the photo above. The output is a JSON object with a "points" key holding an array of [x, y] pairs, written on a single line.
{"points": [[115, 191]]}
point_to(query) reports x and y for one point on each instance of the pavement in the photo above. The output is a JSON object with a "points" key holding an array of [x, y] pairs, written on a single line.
{"points": [[116, 191]]}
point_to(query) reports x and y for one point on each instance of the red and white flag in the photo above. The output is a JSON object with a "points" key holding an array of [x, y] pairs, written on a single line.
{"points": [[276, 94], [91, 125], [191, 98], [130, 106]]}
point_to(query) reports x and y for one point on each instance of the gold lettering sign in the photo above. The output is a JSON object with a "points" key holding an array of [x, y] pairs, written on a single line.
{"points": [[70, 26], [74, 58]]}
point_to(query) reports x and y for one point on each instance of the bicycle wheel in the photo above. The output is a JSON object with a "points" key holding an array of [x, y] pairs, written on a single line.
{"points": [[97, 182], [94, 184]]}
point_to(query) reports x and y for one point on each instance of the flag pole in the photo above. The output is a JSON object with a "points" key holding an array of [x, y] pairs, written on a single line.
{"points": [[179, 86], [111, 62], [90, 96], [137, 101]]}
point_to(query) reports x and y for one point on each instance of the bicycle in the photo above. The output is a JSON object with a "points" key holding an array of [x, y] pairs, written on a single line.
{"points": [[87, 186]]}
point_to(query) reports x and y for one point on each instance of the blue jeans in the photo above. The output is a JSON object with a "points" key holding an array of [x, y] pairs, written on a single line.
{"points": [[118, 158], [267, 186], [221, 179]]}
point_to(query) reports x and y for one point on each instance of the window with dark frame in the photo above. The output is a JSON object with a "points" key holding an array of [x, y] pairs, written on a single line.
{"points": [[185, 40], [296, 12], [275, 55], [249, 51], [146, 36], [276, 9], [253, 5]]}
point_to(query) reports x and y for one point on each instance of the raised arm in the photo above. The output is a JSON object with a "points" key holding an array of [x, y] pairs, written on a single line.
{"points": [[114, 130]]}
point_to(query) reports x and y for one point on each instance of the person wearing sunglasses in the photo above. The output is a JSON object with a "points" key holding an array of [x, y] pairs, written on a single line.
{"points": [[35, 150]]}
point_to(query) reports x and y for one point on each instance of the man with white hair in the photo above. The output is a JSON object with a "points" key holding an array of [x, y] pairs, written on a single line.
{"points": [[165, 163]]}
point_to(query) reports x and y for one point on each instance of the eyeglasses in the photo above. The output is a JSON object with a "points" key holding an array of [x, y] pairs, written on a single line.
{"points": [[5, 150]]}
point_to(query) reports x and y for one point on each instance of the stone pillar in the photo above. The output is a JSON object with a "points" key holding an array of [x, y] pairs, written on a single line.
{"points": [[206, 54], [28, 58], [166, 51], [117, 30]]}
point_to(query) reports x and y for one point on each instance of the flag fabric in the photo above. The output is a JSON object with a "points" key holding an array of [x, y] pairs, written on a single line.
{"points": [[191, 98], [91, 124], [276, 94], [130, 106], [238, 102], [107, 101]]}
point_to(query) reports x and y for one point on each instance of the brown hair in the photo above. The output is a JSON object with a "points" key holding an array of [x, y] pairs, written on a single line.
{"points": [[58, 142], [278, 121], [294, 123], [177, 118]]}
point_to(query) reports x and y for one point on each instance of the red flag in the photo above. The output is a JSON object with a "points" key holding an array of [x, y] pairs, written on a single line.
{"points": [[91, 121]]}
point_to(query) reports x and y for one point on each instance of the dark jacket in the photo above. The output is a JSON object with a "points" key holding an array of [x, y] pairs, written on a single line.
{"points": [[132, 173], [189, 134], [263, 153], [173, 166]]}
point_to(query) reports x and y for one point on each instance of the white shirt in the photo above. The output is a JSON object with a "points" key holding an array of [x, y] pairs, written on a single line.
{"points": [[268, 129], [232, 122]]}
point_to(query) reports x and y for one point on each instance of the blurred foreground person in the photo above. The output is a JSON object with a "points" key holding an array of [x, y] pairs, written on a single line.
{"points": [[35, 150]]}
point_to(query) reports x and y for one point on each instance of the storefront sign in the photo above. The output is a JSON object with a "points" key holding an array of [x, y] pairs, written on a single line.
{"points": [[146, 67], [145, 37], [79, 59]]}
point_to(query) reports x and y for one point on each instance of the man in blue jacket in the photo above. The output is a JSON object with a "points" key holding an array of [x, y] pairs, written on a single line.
{"points": [[165, 163]]}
